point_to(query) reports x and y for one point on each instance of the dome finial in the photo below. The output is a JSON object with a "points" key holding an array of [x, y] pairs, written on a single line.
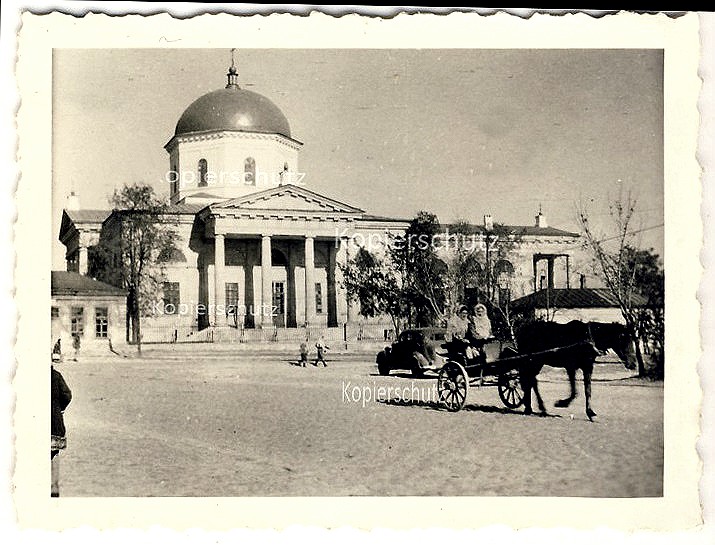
{"points": [[232, 73]]}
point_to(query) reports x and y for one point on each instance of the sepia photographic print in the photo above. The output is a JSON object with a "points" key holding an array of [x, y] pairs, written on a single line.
{"points": [[360, 275]]}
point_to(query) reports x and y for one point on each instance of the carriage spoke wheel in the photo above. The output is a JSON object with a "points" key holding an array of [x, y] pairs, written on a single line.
{"points": [[452, 386], [510, 389]]}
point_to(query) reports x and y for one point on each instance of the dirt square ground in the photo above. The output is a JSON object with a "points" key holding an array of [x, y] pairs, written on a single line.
{"points": [[248, 423]]}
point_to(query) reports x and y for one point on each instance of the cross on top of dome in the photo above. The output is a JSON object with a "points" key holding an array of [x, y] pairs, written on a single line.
{"points": [[232, 73]]}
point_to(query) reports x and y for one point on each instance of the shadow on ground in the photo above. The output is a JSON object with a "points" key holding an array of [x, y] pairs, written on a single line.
{"points": [[408, 374], [433, 405]]}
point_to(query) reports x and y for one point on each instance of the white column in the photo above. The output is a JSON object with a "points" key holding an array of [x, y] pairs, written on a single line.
{"points": [[341, 299], [309, 281], [219, 285], [83, 266], [266, 282]]}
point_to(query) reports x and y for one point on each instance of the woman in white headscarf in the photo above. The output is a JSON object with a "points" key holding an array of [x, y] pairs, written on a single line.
{"points": [[479, 325], [458, 325]]}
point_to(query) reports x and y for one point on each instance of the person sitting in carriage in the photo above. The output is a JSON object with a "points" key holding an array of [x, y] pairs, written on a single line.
{"points": [[458, 335], [479, 331], [458, 325]]}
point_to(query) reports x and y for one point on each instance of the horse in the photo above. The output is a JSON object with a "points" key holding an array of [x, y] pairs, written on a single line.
{"points": [[579, 343]]}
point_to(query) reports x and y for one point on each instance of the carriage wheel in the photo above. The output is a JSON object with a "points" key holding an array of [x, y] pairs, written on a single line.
{"points": [[510, 390], [452, 386]]}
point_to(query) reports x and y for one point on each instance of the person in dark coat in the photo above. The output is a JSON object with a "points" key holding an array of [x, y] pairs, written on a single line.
{"points": [[60, 399], [321, 348]]}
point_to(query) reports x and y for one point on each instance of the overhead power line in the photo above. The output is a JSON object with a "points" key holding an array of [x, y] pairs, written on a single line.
{"points": [[633, 232]]}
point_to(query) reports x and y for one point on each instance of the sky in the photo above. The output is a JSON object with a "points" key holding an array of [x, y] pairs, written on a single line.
{"points": [[459, 132]]}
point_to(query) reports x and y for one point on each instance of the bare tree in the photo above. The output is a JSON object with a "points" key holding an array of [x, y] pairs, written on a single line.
{"points": [[612, 255]]}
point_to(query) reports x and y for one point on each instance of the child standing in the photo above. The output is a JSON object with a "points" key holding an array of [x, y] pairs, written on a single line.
{"points": [[303, 353], [321, 347], [76, 343]]}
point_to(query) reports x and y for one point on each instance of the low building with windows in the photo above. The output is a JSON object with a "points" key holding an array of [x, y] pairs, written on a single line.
{"points": [[93, 311], [260, 250]]}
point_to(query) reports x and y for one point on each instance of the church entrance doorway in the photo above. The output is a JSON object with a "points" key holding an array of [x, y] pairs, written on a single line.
{"points": [[279, 307]]}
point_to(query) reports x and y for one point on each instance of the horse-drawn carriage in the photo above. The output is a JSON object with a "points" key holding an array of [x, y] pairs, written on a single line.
{"points": [[496, 364], [571, 346]]}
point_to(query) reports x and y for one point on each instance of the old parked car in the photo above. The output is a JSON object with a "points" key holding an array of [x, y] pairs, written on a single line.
{"points": [[414, 350]]}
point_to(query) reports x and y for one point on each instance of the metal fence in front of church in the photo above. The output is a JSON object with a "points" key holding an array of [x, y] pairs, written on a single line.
{"points": [[349, 333]]}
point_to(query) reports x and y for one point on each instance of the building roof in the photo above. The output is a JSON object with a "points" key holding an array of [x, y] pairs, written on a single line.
{"points": [[233, 109], [89, 219], [532, 230], [87, 216], [205, 195], [185, 208], [72, 283], [372, 217], [179, 209], [523, 230], [573, 298]]}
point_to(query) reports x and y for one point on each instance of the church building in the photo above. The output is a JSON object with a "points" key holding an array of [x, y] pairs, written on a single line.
{"points": [[257, 248]]}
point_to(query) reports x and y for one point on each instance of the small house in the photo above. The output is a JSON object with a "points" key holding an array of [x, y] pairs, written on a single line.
{"points": [[92, 311]]}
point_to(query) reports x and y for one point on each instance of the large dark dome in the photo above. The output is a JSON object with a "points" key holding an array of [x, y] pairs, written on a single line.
{"points": [[233, 109]]}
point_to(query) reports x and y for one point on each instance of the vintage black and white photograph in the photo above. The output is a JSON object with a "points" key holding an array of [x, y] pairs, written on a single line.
{"points": [[358, 272], [332, 275]]}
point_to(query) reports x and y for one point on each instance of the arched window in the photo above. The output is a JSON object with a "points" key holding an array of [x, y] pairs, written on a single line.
{"points": [[249, 171], [203, 172]]}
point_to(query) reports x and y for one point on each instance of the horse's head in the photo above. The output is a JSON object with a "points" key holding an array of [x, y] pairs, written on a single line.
{"points": [[616, 337]]}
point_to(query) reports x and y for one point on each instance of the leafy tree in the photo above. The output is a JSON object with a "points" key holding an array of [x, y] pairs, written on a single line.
{"points": [[136, 242], [463, 264], [370, 281], [405, 281], [421, 272], [649, 281]]}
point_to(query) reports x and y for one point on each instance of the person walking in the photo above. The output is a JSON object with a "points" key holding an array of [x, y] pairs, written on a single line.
{"points": [[321, 348], [76, 344], [61, 396]]}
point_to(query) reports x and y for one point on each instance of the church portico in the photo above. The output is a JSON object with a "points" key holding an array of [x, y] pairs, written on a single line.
{"points": [[272, 280]]}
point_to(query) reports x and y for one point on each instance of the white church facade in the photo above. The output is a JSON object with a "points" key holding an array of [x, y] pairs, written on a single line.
{"points": [[257, 248]]}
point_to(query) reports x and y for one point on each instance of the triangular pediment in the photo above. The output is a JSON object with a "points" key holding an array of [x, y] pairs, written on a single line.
{"points": [[287, 198]]}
